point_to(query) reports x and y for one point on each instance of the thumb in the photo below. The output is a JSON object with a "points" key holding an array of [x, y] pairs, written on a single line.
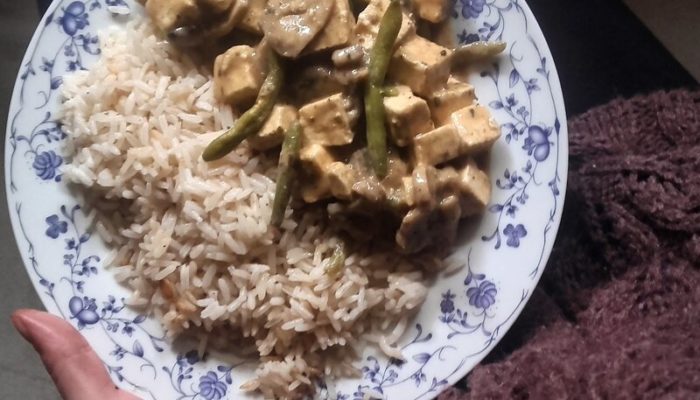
{"points": [[74, 367]]}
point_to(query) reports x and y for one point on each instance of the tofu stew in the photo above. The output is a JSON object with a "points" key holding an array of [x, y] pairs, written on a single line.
{"points": [[362, 99]]}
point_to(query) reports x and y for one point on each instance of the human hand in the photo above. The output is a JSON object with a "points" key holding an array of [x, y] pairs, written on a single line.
{"points": [[74, 367]]}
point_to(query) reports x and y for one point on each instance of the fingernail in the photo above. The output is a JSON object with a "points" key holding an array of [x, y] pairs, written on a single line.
{"points": [[18, 320]]}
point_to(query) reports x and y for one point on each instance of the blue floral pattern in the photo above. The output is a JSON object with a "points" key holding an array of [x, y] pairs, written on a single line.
{"points": [[514, 233], [74, 18], [454, 330], [472, 8], [211, 388], [212, 385], [481, 295], [48, 67], [46, 164], [56, 226]]}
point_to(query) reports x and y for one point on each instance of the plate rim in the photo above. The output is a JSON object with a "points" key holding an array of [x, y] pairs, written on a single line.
{"points": [[563, 163]]}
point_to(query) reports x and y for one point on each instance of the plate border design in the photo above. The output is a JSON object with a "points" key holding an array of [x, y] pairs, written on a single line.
{"points": [[469, 308]]}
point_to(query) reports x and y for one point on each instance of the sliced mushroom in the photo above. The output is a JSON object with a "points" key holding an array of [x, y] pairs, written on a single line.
{"points": [[290, 25], [224, 26], [168, 15], [215, 18]]}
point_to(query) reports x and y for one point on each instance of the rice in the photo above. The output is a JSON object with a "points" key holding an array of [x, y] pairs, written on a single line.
{"points": [[191, 238]]}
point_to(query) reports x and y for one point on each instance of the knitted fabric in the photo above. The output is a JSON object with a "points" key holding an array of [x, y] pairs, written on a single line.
{"points": [[617, 312]]}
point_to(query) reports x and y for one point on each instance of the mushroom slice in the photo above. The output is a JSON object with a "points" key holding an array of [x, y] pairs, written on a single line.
{"points": [[290, 25], [194, 33]]}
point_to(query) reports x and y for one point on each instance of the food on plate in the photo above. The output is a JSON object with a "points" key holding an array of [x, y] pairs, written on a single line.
{"points": [[290, 195], [250, 122], [379, 59], [286, 175], [373, 73]]}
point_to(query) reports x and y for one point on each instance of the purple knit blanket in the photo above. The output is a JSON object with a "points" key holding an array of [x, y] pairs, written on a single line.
{"points": [[617, 312]]}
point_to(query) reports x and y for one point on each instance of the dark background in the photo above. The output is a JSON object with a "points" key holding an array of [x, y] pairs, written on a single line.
{"points": [[601, 50]]}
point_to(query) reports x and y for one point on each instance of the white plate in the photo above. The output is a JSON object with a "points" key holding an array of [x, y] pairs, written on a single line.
{"points": [[465, 314]]}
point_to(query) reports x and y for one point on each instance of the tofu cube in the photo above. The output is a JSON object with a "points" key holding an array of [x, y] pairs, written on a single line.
{"points": [[437, 146], [472, 130], [367, 26], [433, 11], [422, 65], [425, 182], [341, 177], [476, 128], [338, 30], [238, 75], [316, 159], [272, 133], [475, 189], [407, 116], [251, 19], [445, 101], [327, 122]]}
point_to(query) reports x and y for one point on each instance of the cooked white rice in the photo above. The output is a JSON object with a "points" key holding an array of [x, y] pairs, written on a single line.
{"points": [[192, 239]]}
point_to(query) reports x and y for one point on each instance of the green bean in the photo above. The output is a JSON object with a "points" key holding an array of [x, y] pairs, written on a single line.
{"points": [[288, 157], [383, 48], [379, 59], [478, 51], [376, 131], [336, 261], [252, 120]]}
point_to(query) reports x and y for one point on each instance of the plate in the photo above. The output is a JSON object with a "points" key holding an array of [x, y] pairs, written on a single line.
{"points": [[499, 260]]}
